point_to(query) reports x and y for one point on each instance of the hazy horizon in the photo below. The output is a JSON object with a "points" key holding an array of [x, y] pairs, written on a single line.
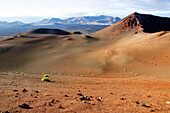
{"points": [[30, 19], [76, 8]]}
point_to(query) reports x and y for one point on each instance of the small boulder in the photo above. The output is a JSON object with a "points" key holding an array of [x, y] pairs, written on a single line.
{"points": [[52, 101], [25, 106], [123, 98], [79, 94], [66, 95], [36, 91], [15, 90], [60, 107], [24, 90]]}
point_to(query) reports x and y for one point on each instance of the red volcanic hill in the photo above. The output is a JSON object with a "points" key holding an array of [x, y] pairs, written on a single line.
{"points": [[136, 22]]}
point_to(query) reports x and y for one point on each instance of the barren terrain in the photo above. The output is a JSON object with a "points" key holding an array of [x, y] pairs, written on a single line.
{"points": [[118, 69]]}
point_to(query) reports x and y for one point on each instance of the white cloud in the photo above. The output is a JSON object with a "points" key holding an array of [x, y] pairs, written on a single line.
{"points": [[68, 8]]}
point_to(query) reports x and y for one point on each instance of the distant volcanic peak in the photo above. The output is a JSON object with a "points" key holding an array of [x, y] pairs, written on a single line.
{"points": [[137, 19], [49, 31], [132, 21], [136, 23], [149, 23]]}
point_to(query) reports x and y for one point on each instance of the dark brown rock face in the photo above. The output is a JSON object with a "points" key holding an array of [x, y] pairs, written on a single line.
{"points": [[149, 23]]}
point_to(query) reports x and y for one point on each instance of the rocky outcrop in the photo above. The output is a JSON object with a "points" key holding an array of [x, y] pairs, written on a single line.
{"points": [[135, 23]]}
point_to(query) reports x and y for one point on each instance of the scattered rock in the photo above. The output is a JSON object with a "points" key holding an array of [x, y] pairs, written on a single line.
{"points": [[60, 107], [24, 90], [132, 101], [16, 95], [158, 109], [25, 106], [49, 104], [144, 105], [81, 98], [99, 98], [79, 94], [66, 96], [36, 91], [148, 96], [5, 112], [137, 102], [91, 97], [151, 110], [52, 101], [122, 98], [15, 90], [57, 101], [79, 91], [86, 99], [45, 103]]}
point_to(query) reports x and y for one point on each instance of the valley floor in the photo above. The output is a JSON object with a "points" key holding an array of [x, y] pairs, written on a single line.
{"points": [[75, 94]]}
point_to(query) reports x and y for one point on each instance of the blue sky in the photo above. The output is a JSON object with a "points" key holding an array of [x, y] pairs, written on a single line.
{"points": [[70, 8]]}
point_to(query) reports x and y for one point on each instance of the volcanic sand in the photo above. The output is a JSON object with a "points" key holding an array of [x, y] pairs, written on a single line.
{"points": [[135, 68]]}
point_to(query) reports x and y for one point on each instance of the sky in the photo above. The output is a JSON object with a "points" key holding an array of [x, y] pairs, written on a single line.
{"points": [[77, 8]]}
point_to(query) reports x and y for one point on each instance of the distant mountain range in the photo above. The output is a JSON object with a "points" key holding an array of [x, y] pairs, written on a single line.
{"points": [[85, 20], [10, 24], [85, 24], [24, 19]]}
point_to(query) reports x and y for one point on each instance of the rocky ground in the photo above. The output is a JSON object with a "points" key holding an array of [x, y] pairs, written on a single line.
{"points": [[120, 69], [82, 94]]}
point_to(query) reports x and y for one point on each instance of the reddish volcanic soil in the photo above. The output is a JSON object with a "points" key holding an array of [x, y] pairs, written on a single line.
{"points": [[131, 75], [120, 69], [118, 95]]}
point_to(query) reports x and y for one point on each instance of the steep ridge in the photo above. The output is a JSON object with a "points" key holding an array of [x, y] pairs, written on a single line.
{"points": [[150, 23], [135, 23]]}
